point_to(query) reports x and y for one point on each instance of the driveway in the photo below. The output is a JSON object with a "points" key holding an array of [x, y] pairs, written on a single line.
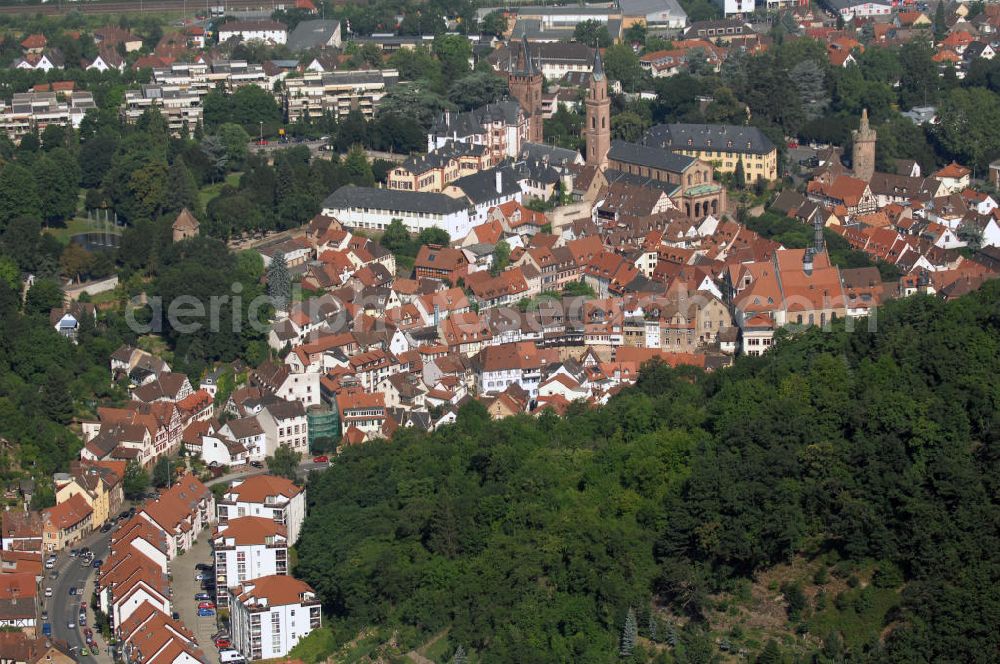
{"points": [[185, 587]]}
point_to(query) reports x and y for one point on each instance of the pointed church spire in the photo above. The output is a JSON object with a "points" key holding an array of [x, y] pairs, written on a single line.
{"points": [[598, 72], [818, 243], [864, 120], [525, 65]]}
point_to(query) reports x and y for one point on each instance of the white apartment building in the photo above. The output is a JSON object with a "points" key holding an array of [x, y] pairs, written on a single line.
{"points": [[315, 94], [285, 425], [269, 32], [180, 108], [248, 548], [269, 615], [372, 208], [268, 496], [30, 112]]}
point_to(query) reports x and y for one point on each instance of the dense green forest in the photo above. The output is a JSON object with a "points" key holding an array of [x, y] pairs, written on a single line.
{"points": [[627, 529]]}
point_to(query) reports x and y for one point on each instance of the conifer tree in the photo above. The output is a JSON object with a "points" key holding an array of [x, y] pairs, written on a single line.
{"points": [[740, 176], [459, 657], [279, 283], [629, 634]]}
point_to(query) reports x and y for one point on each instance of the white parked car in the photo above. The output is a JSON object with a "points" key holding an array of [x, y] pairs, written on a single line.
{"points": [[48, 592]]}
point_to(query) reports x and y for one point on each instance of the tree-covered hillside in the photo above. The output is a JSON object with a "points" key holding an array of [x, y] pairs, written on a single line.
{"points": [[529, 540]]}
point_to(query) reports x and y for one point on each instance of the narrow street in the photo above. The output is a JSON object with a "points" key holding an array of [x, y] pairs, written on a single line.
{"points": [[63, 607], [185, 587]]}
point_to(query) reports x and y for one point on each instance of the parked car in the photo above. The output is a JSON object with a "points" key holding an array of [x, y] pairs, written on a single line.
{"points": [[50, 563], [175, 615], [97, 563], [106, 527], [204, 566], [223, 643], [83, 619], [72, 590], [202, 576], [321, 459], [201, 597], [202, 613], [71, 624], [206, 605], [88, 634], [84, 652], [45, 615], [83, 606], [48, 592], [230, 656], [47, 629], [73, 553], [84, 550], [256, 464]]}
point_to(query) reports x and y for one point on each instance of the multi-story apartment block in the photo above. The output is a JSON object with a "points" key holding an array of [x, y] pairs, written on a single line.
{"points": [[271, 614], [178, 90], [181, 108], [248, 548], [337, 93], [267, 496], [34, 111]]}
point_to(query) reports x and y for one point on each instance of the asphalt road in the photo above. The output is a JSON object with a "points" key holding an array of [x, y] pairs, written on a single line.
{"points": [[62, 606]]}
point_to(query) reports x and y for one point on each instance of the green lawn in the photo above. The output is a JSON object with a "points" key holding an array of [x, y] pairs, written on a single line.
{"points": [[209, 192]]}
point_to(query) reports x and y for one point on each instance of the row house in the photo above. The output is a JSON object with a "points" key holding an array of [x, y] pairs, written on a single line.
{"points": [[373, 366], [18, 600], [150, 636], [22, 530], [182, 512], [134, 572], [168, 386], [99, 483], [363, 412], [127, 582], [465, 333], [505, 288], [269, 496], [247, 548], [518, 363], [20, 648], [66, 524], [138, 432]]}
